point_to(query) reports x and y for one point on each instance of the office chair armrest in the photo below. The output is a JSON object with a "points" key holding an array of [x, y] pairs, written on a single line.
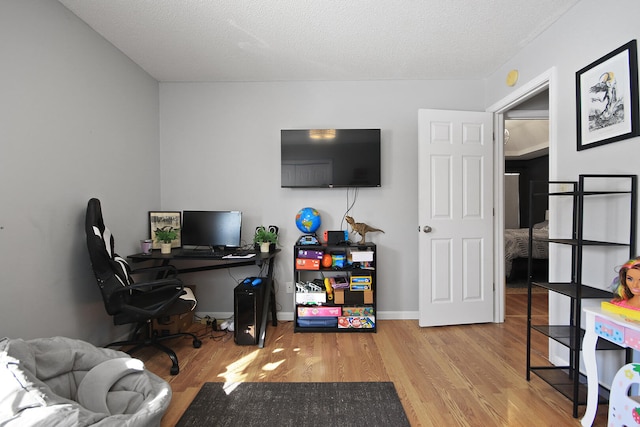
{"points": [[153, 285], [168, 270], [172, 288], [157, 286]]}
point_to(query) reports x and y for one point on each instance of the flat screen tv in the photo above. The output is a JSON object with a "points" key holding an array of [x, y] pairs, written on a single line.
{"points": [[328, 158], [211, 229]]}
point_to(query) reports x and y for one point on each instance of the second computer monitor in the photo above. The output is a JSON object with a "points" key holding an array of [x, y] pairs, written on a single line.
{"points": [[214, 229]]}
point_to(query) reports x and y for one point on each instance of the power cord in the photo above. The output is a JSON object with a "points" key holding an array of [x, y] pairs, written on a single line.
{"points": [[350, 205], [216, 335]]}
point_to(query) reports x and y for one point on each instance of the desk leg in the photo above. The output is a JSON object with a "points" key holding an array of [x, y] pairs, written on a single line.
{"points": [[274, 316], [269, 300], [589, 354]]}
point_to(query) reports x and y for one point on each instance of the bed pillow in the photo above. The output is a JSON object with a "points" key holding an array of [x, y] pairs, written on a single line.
{"points": [[544, 225]]}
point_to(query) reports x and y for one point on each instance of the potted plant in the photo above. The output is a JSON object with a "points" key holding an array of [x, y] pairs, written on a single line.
{"points": [[266, 239], [166, 235]]}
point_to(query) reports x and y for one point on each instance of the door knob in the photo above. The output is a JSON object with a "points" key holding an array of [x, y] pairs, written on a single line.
{"points": [[426, 229]]}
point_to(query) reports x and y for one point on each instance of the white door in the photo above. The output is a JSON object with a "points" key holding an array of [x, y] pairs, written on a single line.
{"points": [[455, 191]]}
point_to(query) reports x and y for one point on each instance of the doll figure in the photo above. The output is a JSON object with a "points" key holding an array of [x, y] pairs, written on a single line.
{"points": [[627, 291]]}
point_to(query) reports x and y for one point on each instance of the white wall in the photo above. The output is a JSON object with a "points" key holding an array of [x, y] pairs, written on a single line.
{"points": [[77, 119], [586, 33], [220, 149]]}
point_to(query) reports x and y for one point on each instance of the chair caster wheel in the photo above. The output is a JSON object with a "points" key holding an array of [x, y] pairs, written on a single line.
{"points": [[174, 370], [197, 343]]}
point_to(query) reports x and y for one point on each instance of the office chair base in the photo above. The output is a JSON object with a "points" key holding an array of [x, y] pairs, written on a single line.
{"points": [[154, 341]]}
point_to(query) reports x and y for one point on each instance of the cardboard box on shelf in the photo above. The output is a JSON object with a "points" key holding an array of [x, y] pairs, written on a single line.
{"points": [[360, 283], [345, 296], [367, 297], [358, 311], [311, 297], [307, 264], [362, 256], [310, 254], [356, 322], [167, 325], [319, 311]]}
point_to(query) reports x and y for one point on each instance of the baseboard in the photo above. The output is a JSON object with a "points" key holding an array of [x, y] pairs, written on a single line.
{"points": [[382, 315], [398, 315], [214, 315], [287, 316]]}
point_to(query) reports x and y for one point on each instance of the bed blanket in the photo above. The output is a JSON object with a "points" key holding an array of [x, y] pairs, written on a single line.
{"points": [[516, 245]]}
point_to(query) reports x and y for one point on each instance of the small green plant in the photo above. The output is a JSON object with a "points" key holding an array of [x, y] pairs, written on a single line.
{"points": [[166, 234], [265, 236]]}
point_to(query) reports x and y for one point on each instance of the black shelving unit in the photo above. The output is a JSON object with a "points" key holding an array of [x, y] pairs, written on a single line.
{"points": [[567, 379], [350, 298]]}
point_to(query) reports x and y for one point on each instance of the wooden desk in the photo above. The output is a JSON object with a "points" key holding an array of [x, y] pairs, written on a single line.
{"points": [[614, 328], [215, 263]]}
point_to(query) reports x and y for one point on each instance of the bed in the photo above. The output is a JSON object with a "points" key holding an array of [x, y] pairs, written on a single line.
{"points": [[516, 244]]}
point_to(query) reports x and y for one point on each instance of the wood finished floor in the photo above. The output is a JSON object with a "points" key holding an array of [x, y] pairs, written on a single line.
{"points": [[445, 376]]}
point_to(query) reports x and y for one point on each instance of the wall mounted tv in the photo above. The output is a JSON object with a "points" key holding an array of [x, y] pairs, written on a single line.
{"points": [[328, 158]]}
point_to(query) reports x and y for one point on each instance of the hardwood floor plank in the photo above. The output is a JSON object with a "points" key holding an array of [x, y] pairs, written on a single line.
{"points": [[469, 375]]}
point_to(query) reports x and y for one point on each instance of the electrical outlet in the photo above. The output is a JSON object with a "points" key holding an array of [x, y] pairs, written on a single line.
{"points": [[289, 287]]}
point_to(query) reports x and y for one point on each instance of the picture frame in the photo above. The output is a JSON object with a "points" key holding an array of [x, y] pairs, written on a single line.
{"points": [[159, 219], [607, 98]]}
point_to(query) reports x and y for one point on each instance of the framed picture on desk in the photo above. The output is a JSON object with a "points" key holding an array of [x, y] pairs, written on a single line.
{"points": [[159, 219]]}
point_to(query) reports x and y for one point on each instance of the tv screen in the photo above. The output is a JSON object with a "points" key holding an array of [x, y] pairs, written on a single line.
{"points": [[212, 229], [327, 158]]}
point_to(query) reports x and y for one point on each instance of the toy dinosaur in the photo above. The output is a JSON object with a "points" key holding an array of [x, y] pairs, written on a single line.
{"points": [[361, 228]]}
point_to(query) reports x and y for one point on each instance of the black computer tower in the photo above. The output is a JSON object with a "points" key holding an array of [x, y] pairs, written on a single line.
{"points": [[247, 315]]}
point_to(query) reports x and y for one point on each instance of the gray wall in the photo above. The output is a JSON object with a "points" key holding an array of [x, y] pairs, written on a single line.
{"points": [[220, 149], [77, 119]]}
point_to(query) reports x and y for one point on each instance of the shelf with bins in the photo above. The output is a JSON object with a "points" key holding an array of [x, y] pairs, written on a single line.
{"points": [[567, 379], [351, 306]]}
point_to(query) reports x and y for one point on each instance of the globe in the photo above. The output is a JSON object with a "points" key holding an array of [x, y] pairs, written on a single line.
{"points": [[308, 220]]}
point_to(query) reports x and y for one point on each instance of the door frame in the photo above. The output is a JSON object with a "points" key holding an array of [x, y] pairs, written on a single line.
{"points": [[546, 80]]}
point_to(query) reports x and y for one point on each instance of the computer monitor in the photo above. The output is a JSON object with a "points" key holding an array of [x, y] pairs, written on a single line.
{"points": [[211, 229]]}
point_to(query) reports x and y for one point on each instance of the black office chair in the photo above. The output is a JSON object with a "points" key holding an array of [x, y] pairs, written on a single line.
{"points": [[135, 302]]}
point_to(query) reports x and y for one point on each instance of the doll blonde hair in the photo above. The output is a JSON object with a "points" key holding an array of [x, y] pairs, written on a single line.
{"points": [[621, 291]]}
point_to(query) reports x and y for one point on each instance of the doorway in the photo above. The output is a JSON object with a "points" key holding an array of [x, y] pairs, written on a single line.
{"points": [[526, 157], [544, 87]]}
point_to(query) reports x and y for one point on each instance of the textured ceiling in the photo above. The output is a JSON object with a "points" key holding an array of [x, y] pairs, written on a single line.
{"points": [[289, 40], [527, 139]]}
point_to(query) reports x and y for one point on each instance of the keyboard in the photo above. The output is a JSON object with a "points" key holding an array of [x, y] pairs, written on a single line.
{"points": [[199, 253], [242, 252], [209, 254]]}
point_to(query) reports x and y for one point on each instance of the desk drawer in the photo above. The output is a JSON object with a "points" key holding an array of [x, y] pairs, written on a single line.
{"points": [[632, 338], [610, 331]]}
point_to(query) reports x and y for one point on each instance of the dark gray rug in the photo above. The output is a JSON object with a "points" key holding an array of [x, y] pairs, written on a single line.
{"points": [[296, 404]]}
